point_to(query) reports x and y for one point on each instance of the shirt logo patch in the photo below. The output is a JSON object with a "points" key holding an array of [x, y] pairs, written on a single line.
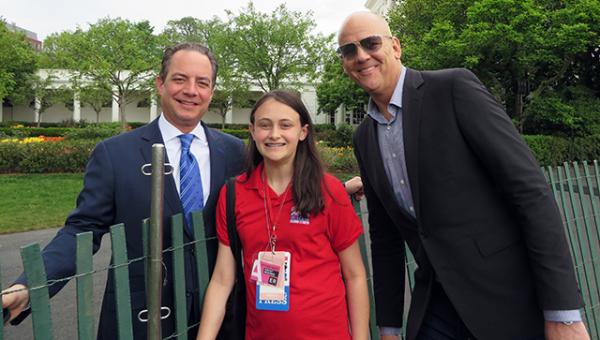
{"points": [[296, 218]]}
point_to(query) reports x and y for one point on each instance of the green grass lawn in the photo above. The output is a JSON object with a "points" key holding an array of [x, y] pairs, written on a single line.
{"points": [[36, 201]]}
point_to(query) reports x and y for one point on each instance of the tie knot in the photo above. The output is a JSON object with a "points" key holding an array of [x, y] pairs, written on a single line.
{"points": [[186, 141]]}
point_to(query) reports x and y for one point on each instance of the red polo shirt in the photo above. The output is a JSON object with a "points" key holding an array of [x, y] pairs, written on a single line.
{"points": [[317, 293]]}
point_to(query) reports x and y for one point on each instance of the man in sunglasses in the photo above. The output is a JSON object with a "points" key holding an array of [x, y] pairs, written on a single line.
{"points": [[445, 171]]}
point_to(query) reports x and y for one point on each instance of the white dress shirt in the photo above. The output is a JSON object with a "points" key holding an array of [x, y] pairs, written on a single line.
{"points": [[199, 149]]}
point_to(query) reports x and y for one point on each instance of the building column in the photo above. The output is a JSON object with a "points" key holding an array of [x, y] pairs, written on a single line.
{"points": [[76, 107], [153, 107], [115, 106], [37, 108], [229, 113], [340, 115]]}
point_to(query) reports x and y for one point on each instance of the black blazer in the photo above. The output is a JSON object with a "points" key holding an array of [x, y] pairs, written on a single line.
{"points": [[487, 228], [115, 191]]}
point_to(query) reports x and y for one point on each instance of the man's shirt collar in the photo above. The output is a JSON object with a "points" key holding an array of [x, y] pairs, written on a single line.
{"points": [[395, 103], [169, 131]]}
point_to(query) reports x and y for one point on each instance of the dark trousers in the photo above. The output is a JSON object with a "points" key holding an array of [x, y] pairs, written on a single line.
{"points": [[442, 322]]}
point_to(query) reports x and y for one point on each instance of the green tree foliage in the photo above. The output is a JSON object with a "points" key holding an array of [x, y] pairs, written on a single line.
{"points": [[336, 89], [117, 52], [232, 89], [521, 49], [18, 63], [277, 49]]}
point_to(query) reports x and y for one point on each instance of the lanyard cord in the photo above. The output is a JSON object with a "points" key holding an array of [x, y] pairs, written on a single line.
{"points": [[271, 223]]}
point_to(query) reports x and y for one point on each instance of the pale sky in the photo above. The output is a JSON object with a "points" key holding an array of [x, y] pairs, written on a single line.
{"points": [[48, 16]]}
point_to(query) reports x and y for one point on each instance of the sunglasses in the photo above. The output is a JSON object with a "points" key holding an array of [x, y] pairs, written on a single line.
{"points": [[369, 44]]}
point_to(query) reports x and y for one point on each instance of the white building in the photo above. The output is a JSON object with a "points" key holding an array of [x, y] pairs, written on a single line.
{"points": [[380, 7], [140, 109]]}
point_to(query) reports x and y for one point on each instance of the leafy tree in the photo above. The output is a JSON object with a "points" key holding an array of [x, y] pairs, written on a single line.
{"points": [[276, 49], [41, 95], [18, 63], [519, 48], [117, 52], [336, 89], [231, 88]]}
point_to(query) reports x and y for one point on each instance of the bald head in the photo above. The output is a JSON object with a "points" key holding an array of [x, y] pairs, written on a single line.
{"points": [[363, 22], [370, 55]]}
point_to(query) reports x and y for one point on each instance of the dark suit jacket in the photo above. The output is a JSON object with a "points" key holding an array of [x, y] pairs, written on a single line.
{"points": [[487, 226], [115, 191]]}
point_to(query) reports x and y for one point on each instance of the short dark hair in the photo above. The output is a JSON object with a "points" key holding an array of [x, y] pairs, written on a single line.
{"points": [[308, 168], [188, 46]]}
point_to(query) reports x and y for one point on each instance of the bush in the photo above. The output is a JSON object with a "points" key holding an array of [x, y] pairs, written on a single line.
{"points": [[93, 132], [241, 134], [342, 136], [66, 156], [552, 150], [339, 159], [34, 132]]}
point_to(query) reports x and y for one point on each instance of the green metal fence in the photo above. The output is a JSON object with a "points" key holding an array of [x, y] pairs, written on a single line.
{"points": [[575, 187]]}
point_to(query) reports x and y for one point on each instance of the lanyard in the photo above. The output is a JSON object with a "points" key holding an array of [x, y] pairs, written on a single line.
{"points": [[270, 222]]}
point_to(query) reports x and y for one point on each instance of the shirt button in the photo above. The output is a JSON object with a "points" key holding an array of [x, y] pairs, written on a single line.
{"points": [[401, 181], [411, 209], [394, 155], [389, 127]]}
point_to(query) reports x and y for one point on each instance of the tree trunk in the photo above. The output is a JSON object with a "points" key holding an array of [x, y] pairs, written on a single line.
{"points": [[519, 111], [124, 125]]}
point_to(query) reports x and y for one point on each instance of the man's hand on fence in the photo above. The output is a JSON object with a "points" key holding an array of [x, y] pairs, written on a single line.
{"points": [[560, 331], [16, 299]]}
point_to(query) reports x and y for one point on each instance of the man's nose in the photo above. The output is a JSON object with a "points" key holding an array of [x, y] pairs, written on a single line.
{"points": [[189, 88], [361, 54]]}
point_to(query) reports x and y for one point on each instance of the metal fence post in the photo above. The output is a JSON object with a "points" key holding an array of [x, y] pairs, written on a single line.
{"points": [[154, 263]]}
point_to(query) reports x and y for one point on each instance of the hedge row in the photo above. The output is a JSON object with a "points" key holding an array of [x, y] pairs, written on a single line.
{"points": [[72, 155], [65, 156]]}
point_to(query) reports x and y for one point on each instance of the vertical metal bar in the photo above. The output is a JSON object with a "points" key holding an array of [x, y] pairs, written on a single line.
{"points": [[179, 277], [38, 291], [85, 287], [1, 323], [595, 332], [569, 218], [580, 240], [201, 254], [121, 270], [155, 240], [593, 293], [374, 330]]}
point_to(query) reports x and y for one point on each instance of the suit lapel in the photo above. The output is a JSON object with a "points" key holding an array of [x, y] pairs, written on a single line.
{"points": [[150, 136], [411, 115], [217, 162]]}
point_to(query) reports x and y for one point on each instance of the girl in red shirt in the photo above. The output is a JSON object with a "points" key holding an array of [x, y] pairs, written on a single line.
{"points": [[299, 236]]}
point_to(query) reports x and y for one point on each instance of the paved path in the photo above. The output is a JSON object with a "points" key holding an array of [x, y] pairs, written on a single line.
{"points": [[63, 304]]}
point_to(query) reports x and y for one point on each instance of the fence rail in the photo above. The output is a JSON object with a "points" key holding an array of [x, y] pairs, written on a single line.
{"points": [[575, 187]]}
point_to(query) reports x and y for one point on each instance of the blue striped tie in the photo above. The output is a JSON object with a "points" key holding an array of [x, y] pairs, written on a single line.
{"points": [[190, 188]]}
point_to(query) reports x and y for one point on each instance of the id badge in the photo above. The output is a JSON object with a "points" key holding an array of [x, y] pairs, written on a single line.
{"points": [[273, 284]]}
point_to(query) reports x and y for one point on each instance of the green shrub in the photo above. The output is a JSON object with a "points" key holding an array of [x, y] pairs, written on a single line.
{"points": [[34, 131], [342, 136], [241, 134], [552, 150], [65, 156], [94, 132], [339, 159]]}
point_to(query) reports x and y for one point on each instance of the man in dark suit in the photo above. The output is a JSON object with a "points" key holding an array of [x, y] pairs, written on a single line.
{"points": [[445, 171], [115, 190]]}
